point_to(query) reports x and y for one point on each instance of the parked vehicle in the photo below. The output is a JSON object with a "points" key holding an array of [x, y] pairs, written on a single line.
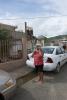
{"points": [[7, 85], [54, 57]]}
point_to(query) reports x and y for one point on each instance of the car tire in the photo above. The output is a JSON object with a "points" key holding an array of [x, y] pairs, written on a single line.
{"points": [[57, 70]]}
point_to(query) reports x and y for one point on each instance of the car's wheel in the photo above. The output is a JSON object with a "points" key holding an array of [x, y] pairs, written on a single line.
{"points": [[2, 97], [57, 70]]}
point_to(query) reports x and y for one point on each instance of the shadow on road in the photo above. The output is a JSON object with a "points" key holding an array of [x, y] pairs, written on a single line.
{"points": [[60, 77], [22, 94]]}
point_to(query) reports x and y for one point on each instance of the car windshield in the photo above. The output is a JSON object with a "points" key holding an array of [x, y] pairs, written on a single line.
{"points": [[48, 50]]}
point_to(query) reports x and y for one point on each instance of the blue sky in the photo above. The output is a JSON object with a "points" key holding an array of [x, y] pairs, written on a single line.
{"points": [[23, 9], [27, 6]]}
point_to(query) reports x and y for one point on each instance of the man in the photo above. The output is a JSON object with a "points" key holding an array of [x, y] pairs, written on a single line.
{"points": [[38, 62]]}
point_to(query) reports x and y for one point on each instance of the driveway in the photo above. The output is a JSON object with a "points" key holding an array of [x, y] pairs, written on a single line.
{"points": [[53, 88]]}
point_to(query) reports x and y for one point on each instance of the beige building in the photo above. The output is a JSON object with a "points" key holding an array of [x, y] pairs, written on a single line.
{"points": [[60, 42], [31, 40]]}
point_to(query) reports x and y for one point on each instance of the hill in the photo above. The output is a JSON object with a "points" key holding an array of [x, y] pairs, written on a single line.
{"points": [[57, 37]]}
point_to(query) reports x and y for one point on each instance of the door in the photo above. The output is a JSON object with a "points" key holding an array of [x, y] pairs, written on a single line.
{"points": [[60, 56], [64, 55]]}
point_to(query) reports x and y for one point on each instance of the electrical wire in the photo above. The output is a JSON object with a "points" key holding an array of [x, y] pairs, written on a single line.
{"points": [[39, 17]]}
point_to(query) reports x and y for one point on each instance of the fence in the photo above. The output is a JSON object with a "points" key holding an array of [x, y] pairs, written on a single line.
{"points": [[10, 50]]}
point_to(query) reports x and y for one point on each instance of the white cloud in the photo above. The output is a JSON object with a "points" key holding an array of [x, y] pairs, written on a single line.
{"points": [[61, 6], [51, 26]]}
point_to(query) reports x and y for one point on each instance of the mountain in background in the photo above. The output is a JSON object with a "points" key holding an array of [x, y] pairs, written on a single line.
{"points": [[57, 37]]}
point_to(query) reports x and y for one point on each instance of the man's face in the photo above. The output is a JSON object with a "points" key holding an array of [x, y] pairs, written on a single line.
{"points": [[38, 47]]}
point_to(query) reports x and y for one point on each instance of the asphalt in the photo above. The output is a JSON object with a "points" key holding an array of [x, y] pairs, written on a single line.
{"points": [[53, 88]]}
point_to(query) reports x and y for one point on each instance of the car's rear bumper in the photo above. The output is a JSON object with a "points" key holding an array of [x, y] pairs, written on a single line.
{"points": [[49, 66], [46, 67]]}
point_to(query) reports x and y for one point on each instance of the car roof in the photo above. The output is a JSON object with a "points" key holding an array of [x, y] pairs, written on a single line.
{"points": [[51, 46]]}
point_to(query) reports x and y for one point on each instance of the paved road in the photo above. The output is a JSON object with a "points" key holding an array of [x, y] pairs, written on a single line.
{"points": [[53, 88]]}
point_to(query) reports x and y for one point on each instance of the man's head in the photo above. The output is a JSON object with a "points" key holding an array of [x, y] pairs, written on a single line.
{"points": [[38, 46]]}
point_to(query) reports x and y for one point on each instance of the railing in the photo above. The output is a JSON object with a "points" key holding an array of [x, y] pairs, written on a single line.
{"points": [[10, 50]]}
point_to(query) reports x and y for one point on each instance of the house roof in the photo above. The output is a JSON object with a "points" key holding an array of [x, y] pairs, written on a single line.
{"points": [[41, 37], [6, 26]]}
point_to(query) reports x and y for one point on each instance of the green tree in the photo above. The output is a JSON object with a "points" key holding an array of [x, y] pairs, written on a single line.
{"points": [[4, 34]]}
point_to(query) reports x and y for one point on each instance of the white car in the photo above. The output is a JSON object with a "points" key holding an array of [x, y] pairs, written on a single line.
{"points": [[54, 58], [7, 85]]}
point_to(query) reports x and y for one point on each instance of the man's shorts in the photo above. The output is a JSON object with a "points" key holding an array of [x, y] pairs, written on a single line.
{"points": [[39, 68]]}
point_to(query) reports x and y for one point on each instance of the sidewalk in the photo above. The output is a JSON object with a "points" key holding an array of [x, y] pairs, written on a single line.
{"points": [[20, 72]]}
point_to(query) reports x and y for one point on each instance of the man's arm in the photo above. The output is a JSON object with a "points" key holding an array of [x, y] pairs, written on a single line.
{"points": [[33, 53], [41, 52]]}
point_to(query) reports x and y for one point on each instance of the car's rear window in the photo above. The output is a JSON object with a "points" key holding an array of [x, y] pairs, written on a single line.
{"points": [[48, 50]]}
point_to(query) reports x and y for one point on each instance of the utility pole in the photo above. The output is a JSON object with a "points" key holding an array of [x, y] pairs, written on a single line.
{"points": [[24, 41], [25, 28]]}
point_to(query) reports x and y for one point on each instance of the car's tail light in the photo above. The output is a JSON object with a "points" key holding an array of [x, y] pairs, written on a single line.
{"points": [[49, 60]]}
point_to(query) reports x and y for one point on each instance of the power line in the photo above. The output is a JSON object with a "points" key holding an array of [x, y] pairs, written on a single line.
{"points": [[39, 17]]}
